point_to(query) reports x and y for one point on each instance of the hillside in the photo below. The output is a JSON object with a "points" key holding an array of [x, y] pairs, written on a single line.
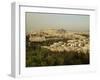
{"points": [[56, 43]]}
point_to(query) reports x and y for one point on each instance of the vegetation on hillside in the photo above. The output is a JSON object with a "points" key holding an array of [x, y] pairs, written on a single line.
{"points": [[39, 56]]}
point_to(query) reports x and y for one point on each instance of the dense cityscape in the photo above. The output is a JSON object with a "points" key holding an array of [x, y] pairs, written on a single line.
{"points": [[53, 47]]}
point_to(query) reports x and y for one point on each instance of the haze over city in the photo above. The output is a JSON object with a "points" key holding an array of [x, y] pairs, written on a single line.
{"points": [[69, 22]]}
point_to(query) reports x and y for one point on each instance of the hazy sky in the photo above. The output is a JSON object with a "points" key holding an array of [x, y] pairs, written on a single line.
{"points": [[42, 21]]}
